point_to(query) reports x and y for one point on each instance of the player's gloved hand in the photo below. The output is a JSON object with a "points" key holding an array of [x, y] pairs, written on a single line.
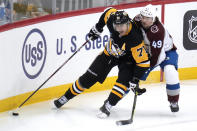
{"points": [[135, 88], [94, 33]]}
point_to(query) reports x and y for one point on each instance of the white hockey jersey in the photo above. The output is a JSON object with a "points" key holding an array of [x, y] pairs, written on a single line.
{"points": [[158, 41]]}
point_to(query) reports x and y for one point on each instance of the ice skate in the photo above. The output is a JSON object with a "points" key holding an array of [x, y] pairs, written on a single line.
{"points": [[104, 111], [60, 102], [174, 106]]}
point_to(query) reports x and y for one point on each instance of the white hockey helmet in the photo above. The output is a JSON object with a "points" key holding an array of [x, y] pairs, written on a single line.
{"points": [[148, 11]]}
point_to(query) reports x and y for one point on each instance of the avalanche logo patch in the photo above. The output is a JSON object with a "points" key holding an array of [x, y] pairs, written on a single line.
{"points": [[154, 29]]}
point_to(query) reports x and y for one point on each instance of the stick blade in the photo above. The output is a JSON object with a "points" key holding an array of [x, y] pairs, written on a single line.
{"points": [[124, 122]]}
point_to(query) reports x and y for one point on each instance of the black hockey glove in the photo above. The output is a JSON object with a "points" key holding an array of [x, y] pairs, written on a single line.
{"points": [[94, 33], [134, 86]]}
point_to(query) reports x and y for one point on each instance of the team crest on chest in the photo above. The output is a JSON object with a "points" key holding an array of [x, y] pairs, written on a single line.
{"points": [[154, 29]]}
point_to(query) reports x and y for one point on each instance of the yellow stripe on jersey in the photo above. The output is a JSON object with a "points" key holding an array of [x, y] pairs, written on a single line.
{"points": [[121, 86], [106, 53], [110, 48], [139, 53], [143, 65], [123, 47], [130, 27], [116, 93], [108, 14]]}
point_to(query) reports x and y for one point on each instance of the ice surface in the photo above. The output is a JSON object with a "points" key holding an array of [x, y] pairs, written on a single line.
{"points": [[152, 113]]}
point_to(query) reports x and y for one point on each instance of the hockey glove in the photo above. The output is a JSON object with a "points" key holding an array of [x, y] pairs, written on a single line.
{"points": [[134, 86], [94, 33]]}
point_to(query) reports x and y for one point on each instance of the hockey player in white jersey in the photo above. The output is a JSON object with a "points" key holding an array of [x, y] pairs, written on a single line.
{"points": [[163, 53]]}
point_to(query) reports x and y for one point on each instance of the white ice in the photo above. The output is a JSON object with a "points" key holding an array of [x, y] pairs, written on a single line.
{"points": [[152, 113]]}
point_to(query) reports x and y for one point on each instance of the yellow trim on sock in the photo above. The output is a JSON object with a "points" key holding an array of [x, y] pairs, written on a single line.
{"points": [[78, 86], [121, 85], [72, 91], [116, 93]]}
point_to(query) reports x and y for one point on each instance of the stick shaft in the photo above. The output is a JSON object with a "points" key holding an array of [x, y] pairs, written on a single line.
{"points": [[53, 74], [134, 105], [129, 121]]}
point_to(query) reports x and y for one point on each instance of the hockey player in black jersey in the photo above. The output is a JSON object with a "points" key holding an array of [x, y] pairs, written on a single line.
{"points": [[125, 49]]}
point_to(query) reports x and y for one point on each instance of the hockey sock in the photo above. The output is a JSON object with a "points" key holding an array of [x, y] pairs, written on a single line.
{"points": [[173, 98], [117, 93], [173, 92], [172, 83], [75, 90]]}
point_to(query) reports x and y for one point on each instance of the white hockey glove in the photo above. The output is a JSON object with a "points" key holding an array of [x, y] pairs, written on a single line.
{"points": [[113, 49], [134, 86], [94, 33]]}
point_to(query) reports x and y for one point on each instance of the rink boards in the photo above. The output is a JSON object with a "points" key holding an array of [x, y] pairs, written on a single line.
{"points": [[32, 50]]}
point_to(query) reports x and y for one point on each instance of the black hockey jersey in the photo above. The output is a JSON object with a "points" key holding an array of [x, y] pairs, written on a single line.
{"points": [[132, 43]]}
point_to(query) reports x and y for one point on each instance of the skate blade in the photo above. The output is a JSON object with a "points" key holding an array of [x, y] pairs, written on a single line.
{"points": [[123, 122], [101, 115]]}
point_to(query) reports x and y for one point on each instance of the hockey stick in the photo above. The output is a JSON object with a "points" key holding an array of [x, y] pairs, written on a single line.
{"points": [[129, 121], [15, 113]]}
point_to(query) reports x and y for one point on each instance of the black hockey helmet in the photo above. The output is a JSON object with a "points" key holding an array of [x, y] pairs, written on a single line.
{"points": [[121, 17]]}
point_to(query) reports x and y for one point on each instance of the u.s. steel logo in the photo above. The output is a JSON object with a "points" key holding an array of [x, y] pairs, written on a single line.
{"points": [[34, 53]]}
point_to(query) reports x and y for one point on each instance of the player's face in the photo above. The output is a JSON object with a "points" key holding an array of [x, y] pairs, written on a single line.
{"points": [[146, 21], [121, 28]]}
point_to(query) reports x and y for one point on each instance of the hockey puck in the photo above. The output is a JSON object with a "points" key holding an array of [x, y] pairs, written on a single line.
{"points": [[15, 113]]}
